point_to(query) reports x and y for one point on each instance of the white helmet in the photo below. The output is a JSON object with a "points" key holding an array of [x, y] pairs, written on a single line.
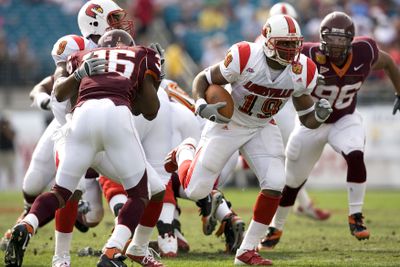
{"points": [[278, 31], [96, 16], [283, 8]]}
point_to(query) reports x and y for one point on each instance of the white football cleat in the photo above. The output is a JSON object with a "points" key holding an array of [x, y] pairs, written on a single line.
{"points": [[61, 261], [168, 245]]}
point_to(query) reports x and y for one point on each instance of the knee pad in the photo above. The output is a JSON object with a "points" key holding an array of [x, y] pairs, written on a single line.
{"points": [[289, 195], [36, 181], [140, 190], [356, 171], [212, 159], [95, 215]]}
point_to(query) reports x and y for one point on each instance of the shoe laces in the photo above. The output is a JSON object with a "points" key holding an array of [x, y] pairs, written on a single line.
{"points": [[151, 256]]}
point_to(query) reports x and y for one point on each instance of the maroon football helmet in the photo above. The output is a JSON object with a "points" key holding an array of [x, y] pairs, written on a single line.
{"points": [[114, 38], [336, 34]]}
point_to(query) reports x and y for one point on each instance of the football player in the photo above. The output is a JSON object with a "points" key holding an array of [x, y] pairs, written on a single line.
{"points": [[104, 102], [345, 61], [263, 77], [285, 120]]}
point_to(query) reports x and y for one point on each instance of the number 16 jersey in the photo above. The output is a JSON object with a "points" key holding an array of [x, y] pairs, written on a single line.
{"points": [[124, 74]]}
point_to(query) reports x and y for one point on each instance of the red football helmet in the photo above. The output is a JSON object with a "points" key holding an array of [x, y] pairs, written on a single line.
{"points": [[283, 40], [336, 34]]}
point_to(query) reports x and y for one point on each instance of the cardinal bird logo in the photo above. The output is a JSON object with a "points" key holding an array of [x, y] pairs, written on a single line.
{"points": [[92, 10]]}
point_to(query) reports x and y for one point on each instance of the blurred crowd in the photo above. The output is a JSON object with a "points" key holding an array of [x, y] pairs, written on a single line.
{"points": [[204, 29]]}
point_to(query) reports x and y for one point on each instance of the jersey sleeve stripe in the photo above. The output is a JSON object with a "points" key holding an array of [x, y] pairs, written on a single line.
{"points": [[244, 55], [292, 27], [311, 68], [79, 41]]}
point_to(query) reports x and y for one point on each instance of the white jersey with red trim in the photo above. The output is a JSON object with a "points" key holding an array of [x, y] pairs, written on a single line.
{"points": [[62, 49], [256, 96], [69, 44]]}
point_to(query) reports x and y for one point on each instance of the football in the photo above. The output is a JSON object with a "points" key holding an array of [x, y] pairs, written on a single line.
{"points": [[216, 93]]}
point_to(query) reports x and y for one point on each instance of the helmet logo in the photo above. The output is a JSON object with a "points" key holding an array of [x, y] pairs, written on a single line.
{"points": [[92, 10], [228, 59], [61, 47], [266, 30]]}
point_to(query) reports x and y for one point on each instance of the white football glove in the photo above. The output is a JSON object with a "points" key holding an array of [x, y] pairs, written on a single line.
{"points": [[89, 67], [322, 109], [42, 101], [320, 80], [210, 111], [157, 47]]}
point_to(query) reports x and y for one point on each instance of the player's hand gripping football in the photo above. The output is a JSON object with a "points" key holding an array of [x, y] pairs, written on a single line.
{"points": [[157, 47], [210, 111], [89, 67], [322, 109], [396, 106]]}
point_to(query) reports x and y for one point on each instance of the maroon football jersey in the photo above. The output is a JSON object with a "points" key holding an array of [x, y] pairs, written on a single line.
{"points": [[342, 84], [124, 73]]}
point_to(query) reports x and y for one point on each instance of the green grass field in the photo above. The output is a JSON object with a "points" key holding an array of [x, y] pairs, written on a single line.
{"points": [[304, 243]]}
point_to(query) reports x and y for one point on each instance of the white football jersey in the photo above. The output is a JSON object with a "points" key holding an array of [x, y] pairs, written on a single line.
{"points": [[62, 49], [256, 96]]}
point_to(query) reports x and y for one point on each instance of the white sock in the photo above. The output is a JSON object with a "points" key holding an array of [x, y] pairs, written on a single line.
{"points": [[32, 220], [303, 198], [63, 243], [253, 236], [167, 213], [222, 210], [120, 198], [142, 235], [356, 193], [280, 217], [119, 237]]}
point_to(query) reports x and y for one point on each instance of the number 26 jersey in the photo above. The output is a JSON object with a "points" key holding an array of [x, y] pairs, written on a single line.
{"points": [[124, 74]]}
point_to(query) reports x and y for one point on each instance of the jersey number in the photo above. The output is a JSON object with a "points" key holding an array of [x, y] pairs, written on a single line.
{"points": [[120, 61], [269, 107], [339, 97]]}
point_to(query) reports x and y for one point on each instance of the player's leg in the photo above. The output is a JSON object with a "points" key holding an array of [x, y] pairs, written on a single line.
{"points": [[304, 149], [40, 172], [123, 147], [78, 141], [42, 168], [265, 155], [348, 138], [232, 226]]}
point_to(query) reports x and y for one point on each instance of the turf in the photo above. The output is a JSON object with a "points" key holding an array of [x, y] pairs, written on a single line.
{"points": [[304, 243]]}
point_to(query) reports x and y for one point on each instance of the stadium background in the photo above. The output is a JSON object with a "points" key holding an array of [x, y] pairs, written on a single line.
{"points": [[195, 33]]}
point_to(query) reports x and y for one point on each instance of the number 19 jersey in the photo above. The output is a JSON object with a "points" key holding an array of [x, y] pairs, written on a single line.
{"points": [[256, 95], [124, 74]]}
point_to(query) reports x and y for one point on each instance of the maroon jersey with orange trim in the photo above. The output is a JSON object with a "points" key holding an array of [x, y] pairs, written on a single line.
{"points": [[342, 84], [124, 73]]}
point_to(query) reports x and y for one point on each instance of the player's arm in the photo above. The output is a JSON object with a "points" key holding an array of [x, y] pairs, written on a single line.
{"points": [[147, 100], [311, 114], [65, 85], [40, 94], [385, 62]]}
